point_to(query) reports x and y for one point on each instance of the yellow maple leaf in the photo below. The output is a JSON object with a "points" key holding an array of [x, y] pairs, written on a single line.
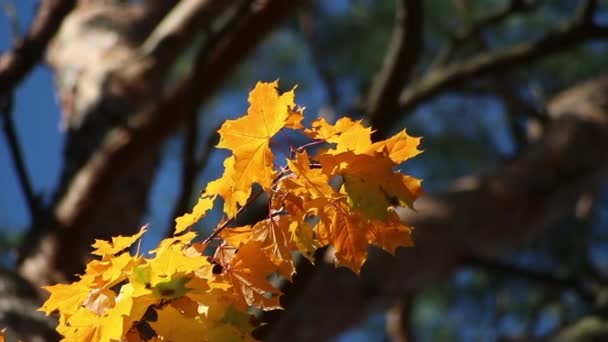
{"points": [[66, 298], [348, 135], [227, 187], [172, 325], [173, 262], [204, 204], [399, 148], [118, 244], [105, 323], [249, 136]]}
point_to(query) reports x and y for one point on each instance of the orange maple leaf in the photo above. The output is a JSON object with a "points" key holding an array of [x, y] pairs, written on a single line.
{"points": [[391, 234], [275, 236], [247, 269], [345, 230], [370, 183]]}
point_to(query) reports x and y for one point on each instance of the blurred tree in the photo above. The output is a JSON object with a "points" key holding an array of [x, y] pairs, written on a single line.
{"points": [[514, 165]]}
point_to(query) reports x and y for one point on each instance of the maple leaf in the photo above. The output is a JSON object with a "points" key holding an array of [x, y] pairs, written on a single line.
{"points": [[199, 211], [66, 298], [247, 270], [181, 240], [88, 325], [348, 135], [308, 182], [399, 148], [370, 183], [118, 244], [346, 231], [275, 237], [171, 263], [391, 234], [227, 187], [172, 325], [249, 136]]}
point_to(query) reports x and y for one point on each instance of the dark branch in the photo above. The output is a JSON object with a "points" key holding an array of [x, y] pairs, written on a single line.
{"points": [[191, 166], [6, 111], [543, 278], [579, 31], [189, 170], [27, 52], [400, 60], [476, 28]]}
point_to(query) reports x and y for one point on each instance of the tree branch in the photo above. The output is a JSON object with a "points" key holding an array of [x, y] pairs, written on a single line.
{"points": [[400, 60], [27, 52], [472, 31], [177, 30], [543, 278], [437, 81], [6, 111]]}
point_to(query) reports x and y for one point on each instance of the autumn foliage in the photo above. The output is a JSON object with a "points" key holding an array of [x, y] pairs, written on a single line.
{"points": [[339, 189]]}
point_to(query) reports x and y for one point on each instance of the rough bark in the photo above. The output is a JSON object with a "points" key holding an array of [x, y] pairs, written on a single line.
{"points": [[479, 215]]}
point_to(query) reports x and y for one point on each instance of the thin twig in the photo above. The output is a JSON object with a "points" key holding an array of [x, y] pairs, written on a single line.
{"points": [[458, 40], [6, 111]]}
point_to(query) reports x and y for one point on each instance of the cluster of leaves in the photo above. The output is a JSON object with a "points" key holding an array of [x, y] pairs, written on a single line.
{"points": [[343, 195]]}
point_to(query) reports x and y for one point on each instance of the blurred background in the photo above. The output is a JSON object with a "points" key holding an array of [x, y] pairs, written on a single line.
{"points": [[111, 123]]}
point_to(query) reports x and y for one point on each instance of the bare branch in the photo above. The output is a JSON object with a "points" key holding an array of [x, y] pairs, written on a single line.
{"points": [[400, 60], [27, 52], [6, 111], [437, 81], [472, 31]]}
